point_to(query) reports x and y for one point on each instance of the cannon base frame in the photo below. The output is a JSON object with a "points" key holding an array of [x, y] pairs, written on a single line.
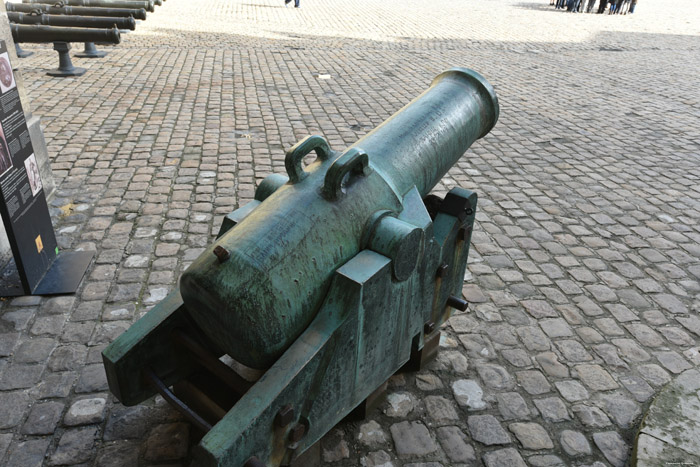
{"points": [[370, 326]]}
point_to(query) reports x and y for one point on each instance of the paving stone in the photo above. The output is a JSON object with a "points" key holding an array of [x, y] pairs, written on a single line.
{"points": [[92, 379], [412, 439], [670, 303], [613, 447], [556, 327], [573, 351], [595, 377], [377, 459], [533, 382], [574, 443], [495, 376], [85, 411], [552, 409], [517, 357], [455, 444], [531, 436], [468, 393], [167, 442], [5, 440], [533, 338], [440, 409], [547, 460], [571, 390], [57, 305], [118, 454], [19, 376], [654, 375], [451, 361], [608, 353], [672, 361], [551, 365], [67, 357], [12, 408], [503, 457], [75, 446], [428, 382], [29, 453], [400, 404], [676, 336], [128, 423], [333, 447], [639, 388], [486, 430], [622, 410], [512, 406], [372, 435], [54, 385], [631, 351], [591, 416], [43, 418], [539, 309]]}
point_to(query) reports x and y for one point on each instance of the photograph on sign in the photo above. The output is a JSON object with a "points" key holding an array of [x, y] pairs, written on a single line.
{"points": [[33, 174], [7, 78], [5, 159]]}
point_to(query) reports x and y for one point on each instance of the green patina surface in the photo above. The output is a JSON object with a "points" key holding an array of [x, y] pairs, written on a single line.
{"points": [[329, 279]]}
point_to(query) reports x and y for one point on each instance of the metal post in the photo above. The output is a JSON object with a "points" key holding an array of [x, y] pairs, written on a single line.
{"points": [[65, 65], [21, 53], [91, 51]]}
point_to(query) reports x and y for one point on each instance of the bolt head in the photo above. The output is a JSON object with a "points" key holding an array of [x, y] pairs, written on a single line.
{"points": [[221, 253], [285, 416], [442, 270], [297, 433]]}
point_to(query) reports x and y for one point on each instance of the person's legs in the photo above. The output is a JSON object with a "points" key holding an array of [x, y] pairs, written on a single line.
{"points": [[296, 3]]}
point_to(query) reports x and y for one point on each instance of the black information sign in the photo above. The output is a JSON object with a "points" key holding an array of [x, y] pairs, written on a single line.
{"points": [[25, 214]]}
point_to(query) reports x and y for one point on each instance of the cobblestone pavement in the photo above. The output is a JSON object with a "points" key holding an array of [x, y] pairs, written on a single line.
{"points": [[584, 275]]}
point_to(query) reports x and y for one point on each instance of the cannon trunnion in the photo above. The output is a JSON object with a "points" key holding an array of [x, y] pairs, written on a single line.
{"points": [[335, 277]]}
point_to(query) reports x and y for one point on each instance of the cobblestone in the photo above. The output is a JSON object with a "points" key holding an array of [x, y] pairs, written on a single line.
{"points": [[487, 430], [585, 269], [43, 418]]}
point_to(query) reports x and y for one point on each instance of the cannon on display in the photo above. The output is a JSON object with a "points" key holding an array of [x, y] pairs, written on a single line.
{"points": [[61, 37], [136, 13], [100, 22], [338, 274], [148, 5]]}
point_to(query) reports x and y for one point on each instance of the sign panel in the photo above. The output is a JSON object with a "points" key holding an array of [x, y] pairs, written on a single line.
{"points": [[22, 202]]}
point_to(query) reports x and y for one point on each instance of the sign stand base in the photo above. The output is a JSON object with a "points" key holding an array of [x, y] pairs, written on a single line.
{"points": [[63, 277]]}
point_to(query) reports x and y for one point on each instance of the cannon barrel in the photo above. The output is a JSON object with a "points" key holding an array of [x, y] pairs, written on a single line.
{"points": [[136, 13], [43, 34], [258, 287], [148, 5], [101, 22]]}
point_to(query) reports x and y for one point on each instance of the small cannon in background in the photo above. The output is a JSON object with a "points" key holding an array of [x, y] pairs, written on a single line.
{"points": [[71, 21], [136, 13], [61, 37], [335, 277], [148, 5]]}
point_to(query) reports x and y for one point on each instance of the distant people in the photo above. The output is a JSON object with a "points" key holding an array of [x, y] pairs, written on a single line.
{"points": [[296, 3], [632, 5]]}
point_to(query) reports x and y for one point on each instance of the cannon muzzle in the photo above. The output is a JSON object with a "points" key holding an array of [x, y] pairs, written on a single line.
{"points": [[42, 34], [98, 22], [136, 13], [283, 255]]}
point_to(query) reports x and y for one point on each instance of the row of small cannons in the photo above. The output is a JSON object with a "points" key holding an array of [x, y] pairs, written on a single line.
{"points": [[617, 7], [88, 21]]}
